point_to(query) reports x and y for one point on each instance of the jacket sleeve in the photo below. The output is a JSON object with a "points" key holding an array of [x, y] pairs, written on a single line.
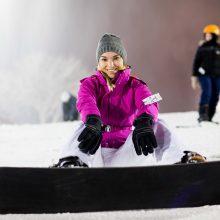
{"points": [[141, 91], [197, 62], [87, 102]]}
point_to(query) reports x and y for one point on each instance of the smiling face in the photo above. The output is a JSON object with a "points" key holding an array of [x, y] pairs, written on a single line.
{"points": [[110, 63]]}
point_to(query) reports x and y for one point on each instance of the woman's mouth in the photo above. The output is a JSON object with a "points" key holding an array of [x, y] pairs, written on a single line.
{"points": [[112, 70]]}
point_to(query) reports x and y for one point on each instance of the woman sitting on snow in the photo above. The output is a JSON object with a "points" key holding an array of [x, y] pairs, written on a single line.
{"points": [[119, 113]]}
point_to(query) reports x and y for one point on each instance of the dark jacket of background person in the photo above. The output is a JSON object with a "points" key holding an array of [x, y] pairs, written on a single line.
{"points": [[207, 57], [70, 112]]}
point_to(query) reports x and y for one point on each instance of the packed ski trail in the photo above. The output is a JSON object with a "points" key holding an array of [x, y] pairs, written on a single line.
{"points": [[40, 145]]}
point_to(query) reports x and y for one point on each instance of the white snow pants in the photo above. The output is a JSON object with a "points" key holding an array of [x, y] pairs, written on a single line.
{"points": [[169, 150]]}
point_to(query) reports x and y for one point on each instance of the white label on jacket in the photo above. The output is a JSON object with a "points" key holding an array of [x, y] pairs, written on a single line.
{"points": [[201, 70], [152, 99]]}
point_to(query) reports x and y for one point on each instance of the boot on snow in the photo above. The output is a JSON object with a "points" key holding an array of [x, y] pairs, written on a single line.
{"points": [[192, 157], [203, 113], [211, 113], [69, 162]]}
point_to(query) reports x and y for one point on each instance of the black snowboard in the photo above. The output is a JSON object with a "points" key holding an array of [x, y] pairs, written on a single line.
{"points": [[53, 190]]}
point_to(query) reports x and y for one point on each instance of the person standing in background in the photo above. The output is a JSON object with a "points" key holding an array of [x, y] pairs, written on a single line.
{"points": [[70, 112], [206, 72]]}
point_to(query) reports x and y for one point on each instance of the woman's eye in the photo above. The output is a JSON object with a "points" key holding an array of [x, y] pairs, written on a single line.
{"points": [[104, 59]]}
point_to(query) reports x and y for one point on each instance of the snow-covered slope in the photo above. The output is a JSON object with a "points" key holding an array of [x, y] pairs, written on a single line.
{"points": [[39, 145]]}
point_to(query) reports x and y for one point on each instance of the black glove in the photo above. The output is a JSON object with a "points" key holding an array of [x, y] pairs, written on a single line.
{"points": [[91, 136], [143, 135]]}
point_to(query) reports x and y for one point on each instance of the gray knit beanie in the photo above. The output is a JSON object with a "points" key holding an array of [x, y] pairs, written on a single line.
{"points": [[111, 43]]}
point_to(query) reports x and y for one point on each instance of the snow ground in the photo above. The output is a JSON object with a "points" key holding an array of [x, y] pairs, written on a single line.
{"points": [[39, 145]]}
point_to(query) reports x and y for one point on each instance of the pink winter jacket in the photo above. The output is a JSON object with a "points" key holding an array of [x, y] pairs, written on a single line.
{"points": [[117, 108]]}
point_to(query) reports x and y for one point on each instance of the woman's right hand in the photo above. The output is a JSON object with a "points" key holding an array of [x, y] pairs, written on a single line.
{"points": [[195, 83], [91, 137]]}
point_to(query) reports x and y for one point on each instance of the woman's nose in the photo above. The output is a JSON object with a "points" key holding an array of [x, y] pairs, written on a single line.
{"points": [[110, 63]]}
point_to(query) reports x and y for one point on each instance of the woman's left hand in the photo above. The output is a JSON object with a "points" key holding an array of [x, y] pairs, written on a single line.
{"points": [[143, 135]]}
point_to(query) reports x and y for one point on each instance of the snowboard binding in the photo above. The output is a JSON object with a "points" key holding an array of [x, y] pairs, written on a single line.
{"points": [[69, 162], [192, 157]]}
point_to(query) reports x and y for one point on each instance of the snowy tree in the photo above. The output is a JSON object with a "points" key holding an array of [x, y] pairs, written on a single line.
{"points": [[30, 90]]}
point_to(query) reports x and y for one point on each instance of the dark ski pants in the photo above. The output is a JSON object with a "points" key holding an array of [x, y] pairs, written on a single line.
{"points": [[210, 90]]}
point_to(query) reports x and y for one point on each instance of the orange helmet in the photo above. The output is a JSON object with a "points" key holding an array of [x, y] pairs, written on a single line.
{"points": [[212, 28]]}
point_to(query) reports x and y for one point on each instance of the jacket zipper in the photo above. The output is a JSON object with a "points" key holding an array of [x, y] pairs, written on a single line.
{"points": [[108, 106]]}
